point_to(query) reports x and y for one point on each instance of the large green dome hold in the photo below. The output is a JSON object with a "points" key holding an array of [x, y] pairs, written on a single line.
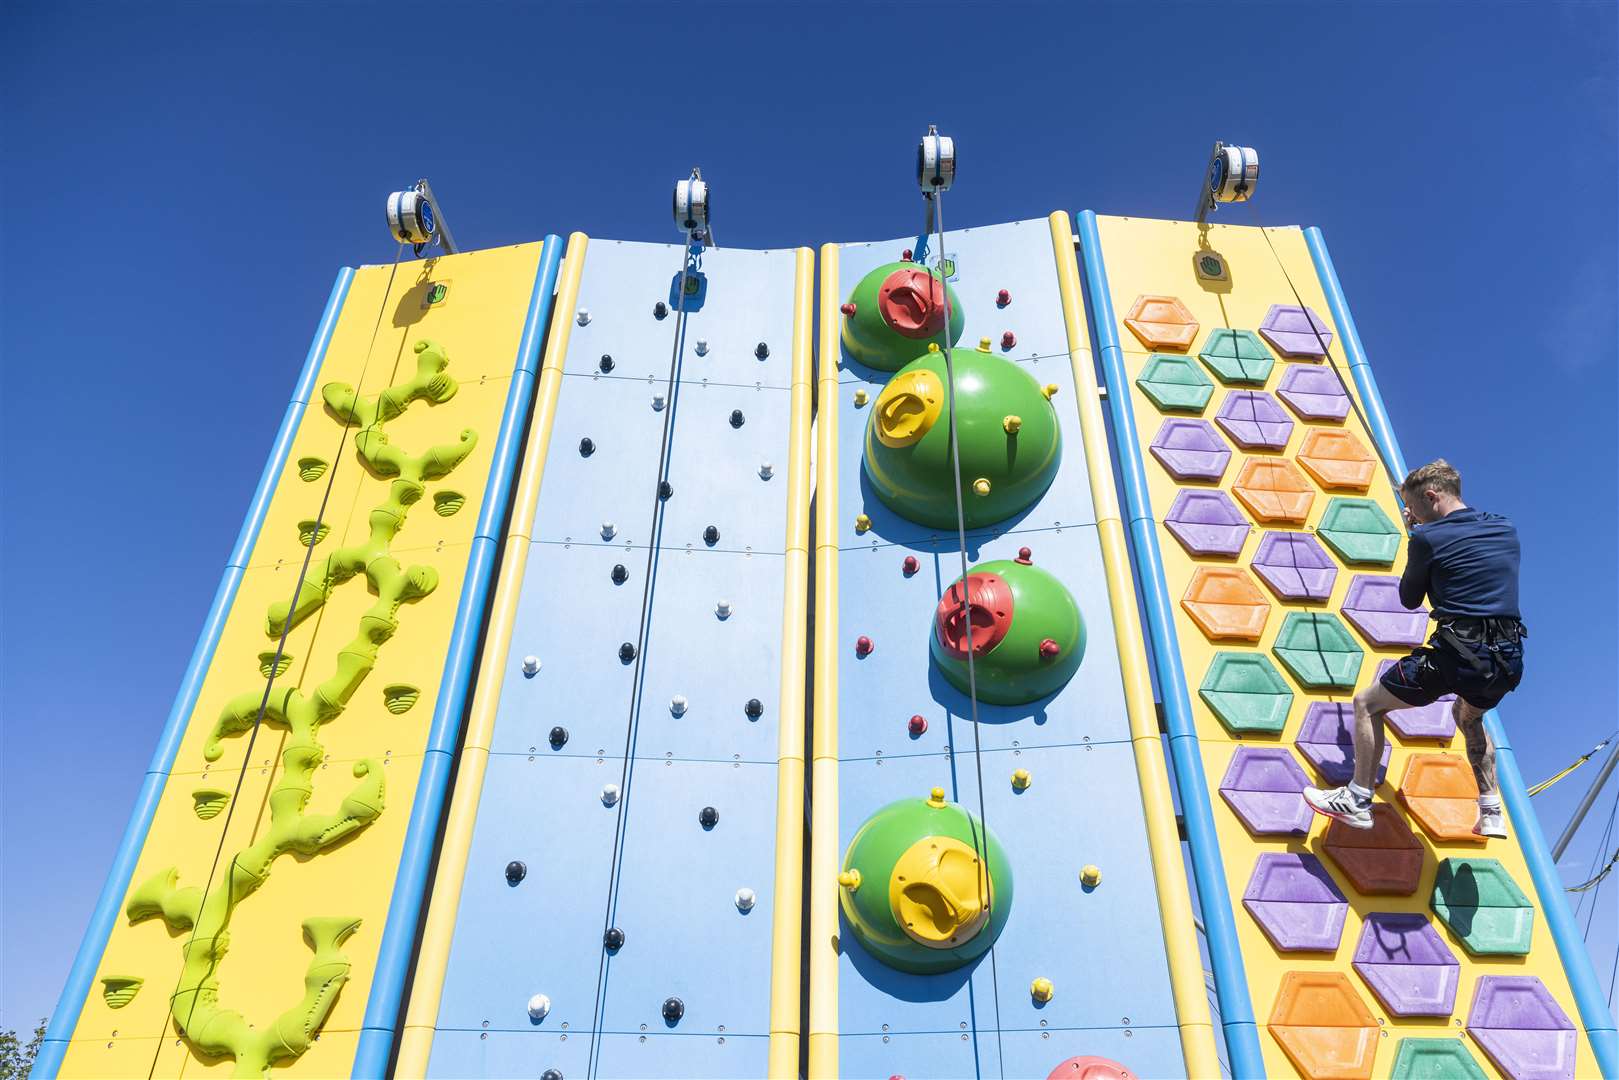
{"points": [[895, 311], [1007, 428], [925, 886], [1027, 635]]}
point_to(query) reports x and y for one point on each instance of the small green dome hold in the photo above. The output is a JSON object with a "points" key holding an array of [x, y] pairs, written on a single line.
{"points": [[925, 886], [895, 311], [1027, 636], [1006, 425]]}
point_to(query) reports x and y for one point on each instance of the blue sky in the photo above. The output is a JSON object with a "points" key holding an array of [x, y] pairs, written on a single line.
{"points": [[182, 181]]}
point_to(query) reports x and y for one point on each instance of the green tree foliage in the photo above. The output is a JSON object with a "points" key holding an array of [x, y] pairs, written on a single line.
{"points": [[16, 1056]]}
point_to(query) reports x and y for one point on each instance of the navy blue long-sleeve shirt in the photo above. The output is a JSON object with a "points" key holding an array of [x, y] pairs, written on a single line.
{"points": [[1466, 563]]}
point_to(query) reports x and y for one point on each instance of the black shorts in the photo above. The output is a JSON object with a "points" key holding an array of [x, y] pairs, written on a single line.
{"points": [[1479, 670]]}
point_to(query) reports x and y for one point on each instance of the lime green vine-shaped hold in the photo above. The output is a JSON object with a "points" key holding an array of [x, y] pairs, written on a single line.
{"points": [[213, 1030], [119, 990]]}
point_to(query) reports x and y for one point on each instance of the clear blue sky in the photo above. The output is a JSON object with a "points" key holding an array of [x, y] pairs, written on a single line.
{"points": [[181, 183]]}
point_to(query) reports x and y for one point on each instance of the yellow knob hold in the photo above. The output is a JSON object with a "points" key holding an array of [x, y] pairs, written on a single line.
{"points": [[907, 408], [1021, 779], [983, 344], [859, 398], [940, 892], [981, 486], [1011, 423], [1050, 390], [933, 346], [1042, 990], [849, 879], [1090, 875], [861, 523], [936, 797]]}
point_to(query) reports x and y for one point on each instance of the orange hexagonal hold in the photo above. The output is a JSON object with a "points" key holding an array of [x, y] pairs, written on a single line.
{"points": [[1442, 795], [1273, 489], [1161, 322], [1385, 860], [1323, 1026], [1226, 604], [1337, 460]]}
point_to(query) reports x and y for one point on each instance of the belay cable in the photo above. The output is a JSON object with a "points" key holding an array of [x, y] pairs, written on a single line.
{"points": [[274, 669]]}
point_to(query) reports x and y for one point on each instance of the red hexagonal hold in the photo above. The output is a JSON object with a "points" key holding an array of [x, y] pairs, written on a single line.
{"points": [[1385, 860]]}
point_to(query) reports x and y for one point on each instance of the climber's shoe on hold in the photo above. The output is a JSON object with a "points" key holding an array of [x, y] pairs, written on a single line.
{"points": [[1341, 804]]}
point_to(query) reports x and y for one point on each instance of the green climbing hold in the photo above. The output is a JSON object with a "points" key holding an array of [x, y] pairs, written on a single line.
{"points": [[448, 503], [206, 803], [898, 310], [1174, 383], [1246, 693], [311, 533], [1028, 636], [1317, 650], [399, 697], [1434, 1059], [1006, 427], [1237, 357], [1480, 903], [274, 665], [119, 990], [925, 886], [1359, 532]]}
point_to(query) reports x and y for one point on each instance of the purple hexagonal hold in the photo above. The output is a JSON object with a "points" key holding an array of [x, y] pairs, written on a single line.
{"points": [[1295, 902], [1313, 393], [1254, 420], [1516, 1021], [1264, 787], [1296, 331], [1191, 449], [1295, 566], [1373, 606], [1407, 964], [1207, 523], [1434, 721], [1327, 741]]}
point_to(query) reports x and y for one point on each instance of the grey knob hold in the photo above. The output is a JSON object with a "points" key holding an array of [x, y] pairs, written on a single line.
{"points": [[583, 318], [702, 346], [766, 470], [723, 609], [608, 530], [531, 666], [538, 1006], [677, 705], [745, 899], [609, 794]]}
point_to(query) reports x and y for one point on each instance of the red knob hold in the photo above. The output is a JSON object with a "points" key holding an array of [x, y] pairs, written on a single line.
{"points": [[1050, 649], [847, 309], [1003, 298], [1008, 340], [905, 256], [910, 565], [1024, 556], [918, 724], [863, 646]]}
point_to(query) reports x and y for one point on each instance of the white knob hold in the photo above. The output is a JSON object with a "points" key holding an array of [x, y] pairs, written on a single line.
{"points": [[702, 346], [677, 704], [765, 470], [531, 665], [657, 402], [745, 899], [538, 1006], [609, 530], [583, 317], [609, 794], [723, 609]]}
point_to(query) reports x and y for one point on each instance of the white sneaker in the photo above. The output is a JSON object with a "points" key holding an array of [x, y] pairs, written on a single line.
{"points": [[1491, 822], [1340, 804]]}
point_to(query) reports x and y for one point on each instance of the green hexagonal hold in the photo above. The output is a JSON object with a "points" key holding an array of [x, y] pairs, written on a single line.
{"points": [[1480, 903], [1318, 651], [1359, 532], [1174, 383], [1007, 429], [1016, 609], [1246, 692], [896, 315], [1237, 357], [925, 886], [1435, 1059]]}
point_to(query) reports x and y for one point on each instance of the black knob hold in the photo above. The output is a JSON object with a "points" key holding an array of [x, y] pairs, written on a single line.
{"points": [[620, 575], [673, 1009], [551, 1074], [626, 652], [660, 310], [761, 350], [606, 362], [558, 737], [708, 817], [711, 535], [754, 708], [587, 446], [665, 489], [737, 419], [613, 939], [515, 872]]}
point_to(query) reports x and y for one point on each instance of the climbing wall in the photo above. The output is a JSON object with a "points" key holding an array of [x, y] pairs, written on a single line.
{"points": [[398, 465], [615, 897], [1415, 949], [982, 899]]}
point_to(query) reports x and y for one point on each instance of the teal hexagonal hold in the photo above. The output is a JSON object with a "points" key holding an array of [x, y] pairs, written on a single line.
{"points": [[1480, 903], [1174, 383], [1359, 532], [1237, 357], [1246, 692], [1318, 650], [1435, 1059]]}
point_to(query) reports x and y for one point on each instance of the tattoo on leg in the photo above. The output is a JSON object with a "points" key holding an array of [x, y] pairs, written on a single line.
{"points": [[1480, 748]]}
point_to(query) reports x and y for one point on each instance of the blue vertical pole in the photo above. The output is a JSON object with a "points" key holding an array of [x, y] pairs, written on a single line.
{"points": [[1225, 956], [1599, 1023], [88, 958]]}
